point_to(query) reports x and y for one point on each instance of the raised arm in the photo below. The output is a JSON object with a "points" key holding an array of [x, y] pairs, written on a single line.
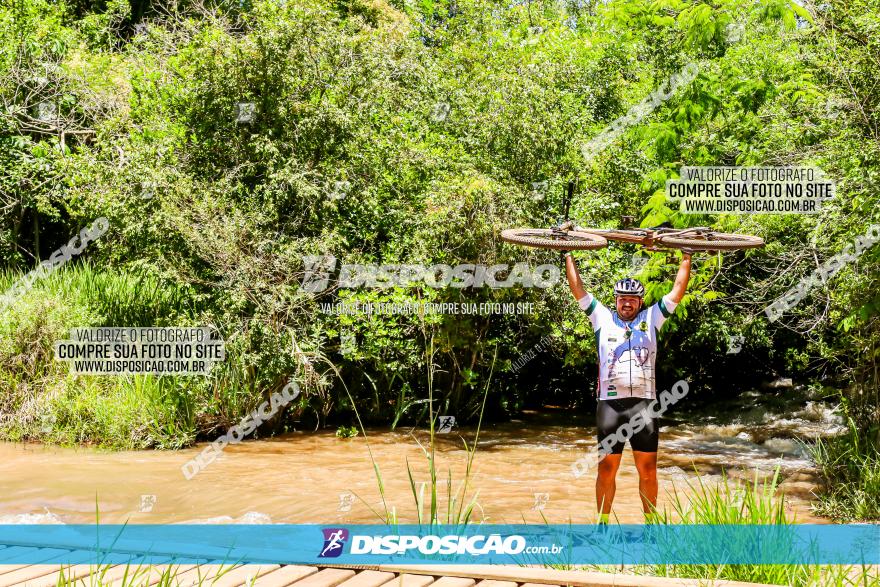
{"points": [[574, 278], [681, 279]]}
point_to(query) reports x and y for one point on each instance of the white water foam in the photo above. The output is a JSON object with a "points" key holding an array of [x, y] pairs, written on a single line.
{"points": [[248, 518], [15, 519]]}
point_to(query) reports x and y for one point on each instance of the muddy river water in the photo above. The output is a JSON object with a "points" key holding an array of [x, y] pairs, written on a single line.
{"points": [[521, 471]]}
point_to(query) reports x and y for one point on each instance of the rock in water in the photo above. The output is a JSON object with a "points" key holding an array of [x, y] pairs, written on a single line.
{"points": [[781, 383]]}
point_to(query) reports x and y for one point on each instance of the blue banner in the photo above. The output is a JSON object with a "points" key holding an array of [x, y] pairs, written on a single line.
{"points": [[441, 544]]}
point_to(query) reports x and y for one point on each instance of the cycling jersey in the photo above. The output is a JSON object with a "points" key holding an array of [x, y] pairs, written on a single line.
{"points": [[627, 350]]}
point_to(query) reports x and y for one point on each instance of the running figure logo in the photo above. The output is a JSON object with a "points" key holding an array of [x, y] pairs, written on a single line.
{"points": [[334, 541], [445, 425], [317, 272]]}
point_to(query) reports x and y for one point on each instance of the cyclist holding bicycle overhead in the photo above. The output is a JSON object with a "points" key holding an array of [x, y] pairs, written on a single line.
{"points": [[627, 345]]}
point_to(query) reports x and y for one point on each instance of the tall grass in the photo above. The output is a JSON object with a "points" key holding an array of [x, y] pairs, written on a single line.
{"points": [[459, 507], [849, 466], [113, 298], [459, 504], [728, 502], [138, 574], [755, 503], [127, 299], [41, 400], [143, 575]]}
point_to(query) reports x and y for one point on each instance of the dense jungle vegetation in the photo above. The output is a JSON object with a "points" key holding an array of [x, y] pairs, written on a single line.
{"points": [[413, 132]]}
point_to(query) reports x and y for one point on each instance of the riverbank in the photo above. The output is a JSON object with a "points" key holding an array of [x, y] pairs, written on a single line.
{"points": [[41, 402], [717, 468], [520, 475], [522, 470]]}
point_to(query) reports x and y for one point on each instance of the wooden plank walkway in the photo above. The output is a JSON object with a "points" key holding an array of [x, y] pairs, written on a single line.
{"points": [[47, 572], [218, 575]]}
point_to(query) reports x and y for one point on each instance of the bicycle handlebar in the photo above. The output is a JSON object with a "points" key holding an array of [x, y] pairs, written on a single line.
{"points": [[566, 200]]}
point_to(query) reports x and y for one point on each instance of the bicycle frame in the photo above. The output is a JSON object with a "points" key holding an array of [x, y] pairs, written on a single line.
{"points": [[647, 237]]}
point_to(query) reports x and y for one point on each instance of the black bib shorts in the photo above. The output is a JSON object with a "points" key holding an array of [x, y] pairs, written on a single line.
{"points": [[611, 414]]}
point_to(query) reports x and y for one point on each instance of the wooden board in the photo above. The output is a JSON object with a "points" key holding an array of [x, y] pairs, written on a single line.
{"points": [[326, 578], [545, 576], [368, 579], [286, 576], [495, 583], [244, 575], [46, 574], [200, 574], [410, 580], [454, 582], [150, 575], [23, 575], [105, 575], [4, 569], [70, 573]]}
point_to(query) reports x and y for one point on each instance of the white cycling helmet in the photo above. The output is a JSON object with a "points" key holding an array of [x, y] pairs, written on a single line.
{"points": [[629, 287]]}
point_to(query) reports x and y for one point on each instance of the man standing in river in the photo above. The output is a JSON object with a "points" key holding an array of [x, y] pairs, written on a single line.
{"points": [[627, 346]]}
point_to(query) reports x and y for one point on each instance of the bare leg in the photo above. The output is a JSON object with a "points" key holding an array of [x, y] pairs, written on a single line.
{"points": [[646, 463], [605, 482]]}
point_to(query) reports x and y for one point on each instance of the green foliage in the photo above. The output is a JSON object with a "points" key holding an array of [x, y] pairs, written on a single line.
{"points": [[42, 401], [755, 503], [850, 470], [438, 118], [346, 432]]}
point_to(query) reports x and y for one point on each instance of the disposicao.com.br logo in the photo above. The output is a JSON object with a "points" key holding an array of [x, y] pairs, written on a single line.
{"points": [[334, 541], [318, 271]]}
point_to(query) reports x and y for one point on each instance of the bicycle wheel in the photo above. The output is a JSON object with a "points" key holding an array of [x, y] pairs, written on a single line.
{"points": [[546, 238], [711, 241]]}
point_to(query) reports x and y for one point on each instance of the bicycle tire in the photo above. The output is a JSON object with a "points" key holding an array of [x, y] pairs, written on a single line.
{"points": [[716, 241], [546, 238]]}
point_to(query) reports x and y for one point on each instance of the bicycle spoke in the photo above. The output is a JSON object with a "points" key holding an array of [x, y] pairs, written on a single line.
{"points": [[553, 239]]}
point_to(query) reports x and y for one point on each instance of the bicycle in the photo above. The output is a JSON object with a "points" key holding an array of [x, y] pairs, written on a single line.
{"points": [[567, 236]]}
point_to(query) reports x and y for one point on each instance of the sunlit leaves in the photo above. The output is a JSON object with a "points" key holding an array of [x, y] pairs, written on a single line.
{"points": [[700, 23]]}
